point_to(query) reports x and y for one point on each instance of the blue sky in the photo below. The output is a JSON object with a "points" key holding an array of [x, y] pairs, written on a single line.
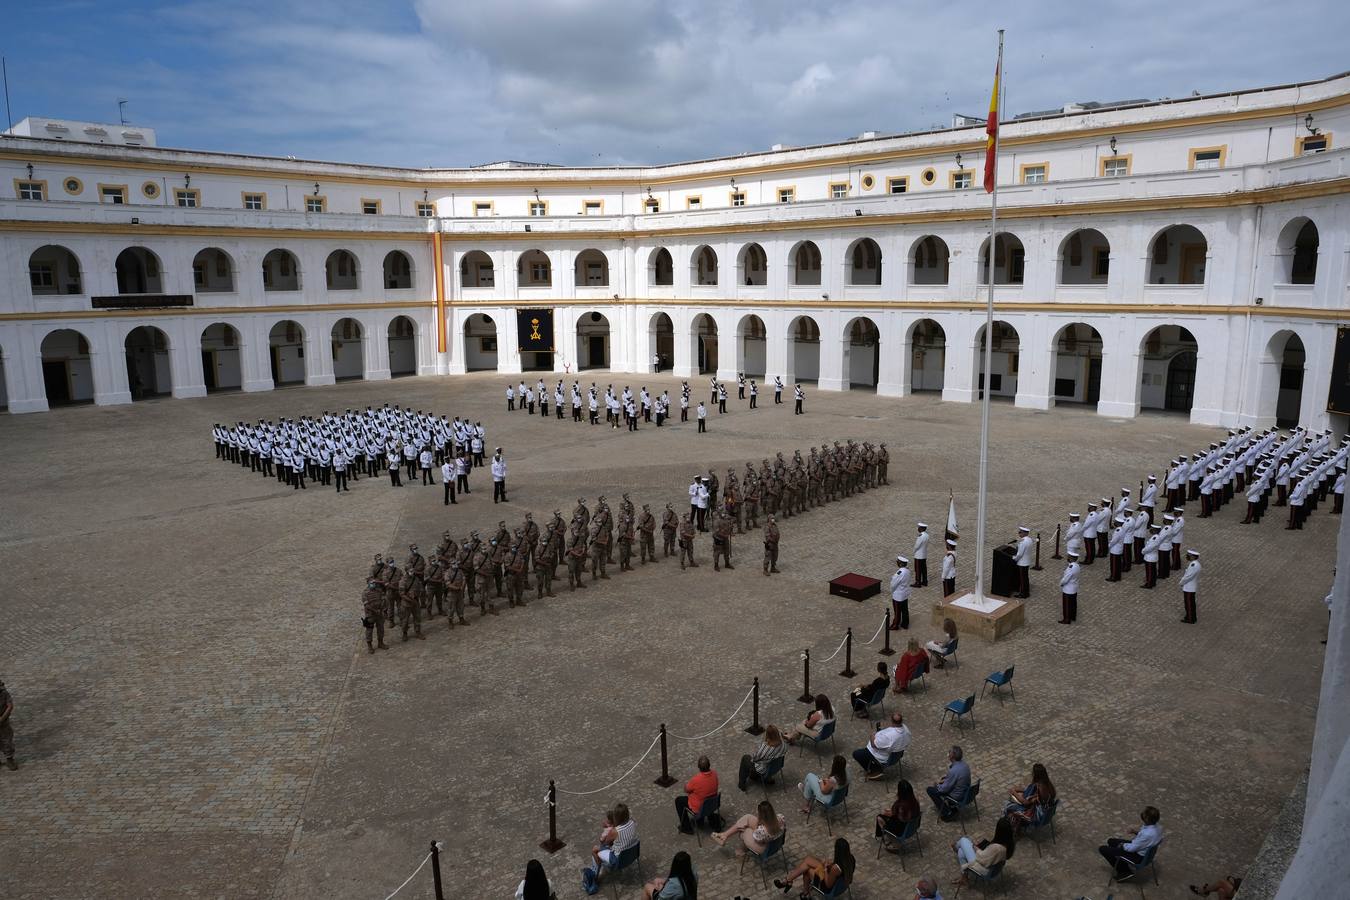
{"points": [[463, 82]]}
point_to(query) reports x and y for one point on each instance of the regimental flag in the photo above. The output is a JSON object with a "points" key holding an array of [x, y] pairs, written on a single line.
{"points": [[991, 131], [953, 532], [534, 330]]}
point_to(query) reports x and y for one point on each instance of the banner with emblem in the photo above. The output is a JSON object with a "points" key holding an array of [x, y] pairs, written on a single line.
{"points": [[1338, 394], [534, 330]]}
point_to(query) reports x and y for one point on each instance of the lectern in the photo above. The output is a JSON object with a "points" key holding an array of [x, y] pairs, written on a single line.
{"points": [[1004, 583]]}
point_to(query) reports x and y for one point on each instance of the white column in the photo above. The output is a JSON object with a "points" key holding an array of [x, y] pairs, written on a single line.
{"points": [[961, 360], [185, 361], [1036, 364], [23, 371], [255, 364], [508, 347], [375, 349], [686, 359], [108, 363], [834, 357], [728, 346], [895, 354], [1120, 378], [318, 350]]}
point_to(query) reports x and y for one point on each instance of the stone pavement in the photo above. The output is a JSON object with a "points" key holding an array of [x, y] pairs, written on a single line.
{"points": [[197, 715]]}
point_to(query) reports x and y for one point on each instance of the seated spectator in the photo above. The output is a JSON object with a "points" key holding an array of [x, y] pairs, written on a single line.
{"points": [[818, 718], [926, 889], [813, 787], [939, 650], [877, 754], [896, 817], [618, 834], [535, 885], [913, 662], [1132, 849], [1226, 887], [822, 874], [980, 858], [951, 792], [755, 830], [753, 766], [680, 884], [696, 790], [1030, 806], [864, 692]]}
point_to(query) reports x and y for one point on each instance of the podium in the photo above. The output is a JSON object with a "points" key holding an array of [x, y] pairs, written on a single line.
{"points": [[1005, 582]]}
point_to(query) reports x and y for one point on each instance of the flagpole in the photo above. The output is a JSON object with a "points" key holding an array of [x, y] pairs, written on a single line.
{"points": [[980, 503]]}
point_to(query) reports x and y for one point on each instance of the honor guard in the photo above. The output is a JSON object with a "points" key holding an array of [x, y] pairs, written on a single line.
{"points": [[1068, 591], [900, 594], [1025, 550], [1190, 583], [949, 570], [921, 556]]}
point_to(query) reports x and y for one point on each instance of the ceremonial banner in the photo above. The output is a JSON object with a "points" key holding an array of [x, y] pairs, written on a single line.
{"points": [[534, 330], [991, 132], [1338, 395], [953, 532]]}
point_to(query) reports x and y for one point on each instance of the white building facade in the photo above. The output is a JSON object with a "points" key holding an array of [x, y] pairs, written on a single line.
{"points": [[1191, 255]]}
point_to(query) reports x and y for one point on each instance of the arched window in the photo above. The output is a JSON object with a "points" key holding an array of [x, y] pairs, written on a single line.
{"points": [[53, 269], [397, 271]]}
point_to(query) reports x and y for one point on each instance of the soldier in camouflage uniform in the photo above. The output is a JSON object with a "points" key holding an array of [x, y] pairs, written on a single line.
{"points": [[482, 569], [646, 535], [770, 546], [372, 606], [435, 586], [599, 542], [545, 560], [410, 590], [883, 460], [515, 574], [686, 541], [576, 555], [626, 536], [669, 525], [455, 582], [531, 545]]}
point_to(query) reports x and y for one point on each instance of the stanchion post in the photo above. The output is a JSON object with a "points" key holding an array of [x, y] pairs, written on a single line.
{"points": [[755, 727], [552, 845], [436, 870], [806, 677], [665, 780], [886, 629], [1056, 555], [1037, 566], [848, 655]]}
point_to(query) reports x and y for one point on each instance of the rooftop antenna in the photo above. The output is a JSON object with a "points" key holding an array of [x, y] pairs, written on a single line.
{"points": [[122, 110], [9, 118]]}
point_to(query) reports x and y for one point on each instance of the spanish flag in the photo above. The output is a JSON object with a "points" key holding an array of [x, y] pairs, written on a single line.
{"points": [[991, 130]]}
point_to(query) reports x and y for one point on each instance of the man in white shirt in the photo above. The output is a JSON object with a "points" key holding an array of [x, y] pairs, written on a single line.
{"points": [[1068, 591], [510, 399], [1178, 533], [1151, 546], [1025, 549], [1116, 546], [448, 479], [886, 746], [702, 417], [900, 594], [340, 471], [1073, 538], [498, 477], [921, 556], [949, 570], [1190, 583], [424, 460], [1149, 497]]}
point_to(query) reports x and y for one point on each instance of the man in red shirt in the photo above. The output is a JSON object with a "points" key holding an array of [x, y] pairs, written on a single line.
{"points": [[696, 790]]}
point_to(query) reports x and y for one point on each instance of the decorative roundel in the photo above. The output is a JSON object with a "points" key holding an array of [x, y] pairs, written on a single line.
{"points": [[928, 176], [73, 185], [150, 189], [868, 182]]}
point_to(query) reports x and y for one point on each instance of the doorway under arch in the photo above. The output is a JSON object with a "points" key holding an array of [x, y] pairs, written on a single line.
{"points": [[661, 334], [349, 351], [1078, 364], [863, 367], [703, 332], [148, 369], [480, 343], [67, 368], [592, 351], [402, 335], [1005, 360], [286, 343], [754, 346], [1168, 359], [804, 349], [928, 356], [222, 368]]}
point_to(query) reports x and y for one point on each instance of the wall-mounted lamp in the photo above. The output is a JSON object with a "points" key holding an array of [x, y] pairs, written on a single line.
{"points": [[960, 165], [536, 193], [1260, 300], [424, 194], [316, 189], [187, 181], [1113, 146], [1308, 124], [30, 171], [824, 296], [733, 181]]}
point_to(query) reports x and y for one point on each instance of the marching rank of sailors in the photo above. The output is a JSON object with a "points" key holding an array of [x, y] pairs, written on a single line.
{"points": [[1298, 469], [334, 448], [625, 409]]}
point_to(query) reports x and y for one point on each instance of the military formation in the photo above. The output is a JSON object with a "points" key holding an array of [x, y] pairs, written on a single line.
{"points": [[488, 567], [337, 448], [625, 409], [1298, 470]]}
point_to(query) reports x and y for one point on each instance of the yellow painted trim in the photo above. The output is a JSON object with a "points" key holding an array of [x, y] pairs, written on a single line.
{"points": [[1301, 139], [218, 311], [928, 176], [1022, 172], [479, 204], [531, 204], [952, 176], [732, 195], [789, 189], [836, 184], [599, 204], [868, 181], [244, 195], [1222, 150], [898, 179], [1127, 157], [691, 199], [79, 185], [322, 201], [379, 206], [126, 200], [196, 197], [1299, 191], [38, 181]]}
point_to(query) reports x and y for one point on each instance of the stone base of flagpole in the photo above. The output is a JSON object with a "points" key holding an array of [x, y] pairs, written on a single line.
{"points": [[991, 619]]}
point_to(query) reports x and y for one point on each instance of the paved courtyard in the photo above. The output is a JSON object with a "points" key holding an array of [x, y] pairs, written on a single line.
{"points": [[197, 715]]}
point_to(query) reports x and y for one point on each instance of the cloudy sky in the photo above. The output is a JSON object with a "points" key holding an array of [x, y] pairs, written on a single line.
{"points": [[463, 82]]}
